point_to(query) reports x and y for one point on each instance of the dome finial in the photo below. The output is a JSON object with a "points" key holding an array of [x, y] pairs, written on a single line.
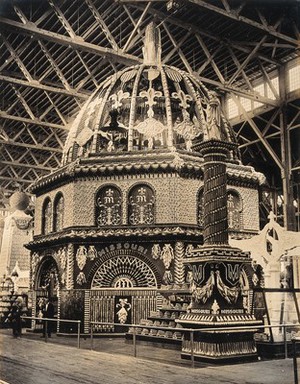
{"points": [[152, 45]]}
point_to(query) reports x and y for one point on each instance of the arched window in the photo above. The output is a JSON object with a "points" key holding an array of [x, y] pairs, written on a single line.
{"points": [[47, 217], [141, 205], [108, 206], [234, 210], [58, 214], [200, 208]]}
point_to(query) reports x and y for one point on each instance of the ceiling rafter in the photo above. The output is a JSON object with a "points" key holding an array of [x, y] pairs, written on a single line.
{"points": [[35, 121], [24, 165], [62, 18], [36, 84], [192, 28], [37, 146], [24, 103], [76, 43], [54, 66], [17, 59], [271, 30], [138, 23], [102, 24], [257, 131]]}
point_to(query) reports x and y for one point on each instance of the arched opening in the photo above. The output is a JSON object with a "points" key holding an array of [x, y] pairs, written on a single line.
{"points": [[141, 205], [47, 216], [58, 212], [123, 290], [108, 206]]}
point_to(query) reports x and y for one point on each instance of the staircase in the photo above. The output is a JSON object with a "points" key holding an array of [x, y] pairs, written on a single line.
{"points": [[163, 320]]}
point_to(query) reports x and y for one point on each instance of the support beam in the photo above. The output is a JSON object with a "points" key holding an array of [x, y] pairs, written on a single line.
{"points": [[62, 18], [36, 121], [77, 43], [102, 24], [17, 58], [136, 27], [286, 173], [24, 165], [17, 179], [233, 16], [37, 85], [259, 134], [31, 146]]}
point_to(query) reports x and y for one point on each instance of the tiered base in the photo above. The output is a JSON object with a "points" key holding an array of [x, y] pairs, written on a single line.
{"points": [[220, 345]]}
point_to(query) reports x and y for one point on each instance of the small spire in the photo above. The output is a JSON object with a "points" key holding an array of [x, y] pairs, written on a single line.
{"points": [[152, 45]]}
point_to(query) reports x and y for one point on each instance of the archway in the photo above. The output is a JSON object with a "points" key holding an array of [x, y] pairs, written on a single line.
{"points": [[123, 291], [46, 285]]}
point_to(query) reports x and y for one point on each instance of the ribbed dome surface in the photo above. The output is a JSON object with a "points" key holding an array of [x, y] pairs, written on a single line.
{"points": [[146, 107]]}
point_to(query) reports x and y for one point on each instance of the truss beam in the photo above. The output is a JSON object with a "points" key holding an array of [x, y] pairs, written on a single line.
{"points": [[37, 85], [35, 121], [77, 43], [269, 29]]}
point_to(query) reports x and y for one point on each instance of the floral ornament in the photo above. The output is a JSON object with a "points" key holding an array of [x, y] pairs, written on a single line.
{"points": [[168, 277], [167, 255], [118, 97], [203, 293], [156, 251], [229, 294], [81, 279], [92, 253], [81, 257], [183, 98], [189, 128], [150, 95], [150, 127]]}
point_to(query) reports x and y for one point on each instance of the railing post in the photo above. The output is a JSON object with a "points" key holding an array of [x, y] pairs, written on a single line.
{"points": [[134, 341], [285, 342], [78, 333], [192, 349], [295, 361], [46, 331], [92, 337]]}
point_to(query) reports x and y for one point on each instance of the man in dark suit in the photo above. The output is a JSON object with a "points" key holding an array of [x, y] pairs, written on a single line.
{"points": [[48, 313]]}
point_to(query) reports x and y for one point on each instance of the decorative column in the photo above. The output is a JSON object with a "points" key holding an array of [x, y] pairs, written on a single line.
{"points": [[70, 267], [178, 265], [217, 287]]}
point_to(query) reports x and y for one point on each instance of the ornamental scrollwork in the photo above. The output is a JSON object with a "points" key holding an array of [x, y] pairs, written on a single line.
{"points": [[156, 251], [167, 255], [81, 257]]}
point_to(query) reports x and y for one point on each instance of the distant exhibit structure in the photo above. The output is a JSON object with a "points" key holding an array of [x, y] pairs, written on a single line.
{"points": [[116, 222], [14, 258]]}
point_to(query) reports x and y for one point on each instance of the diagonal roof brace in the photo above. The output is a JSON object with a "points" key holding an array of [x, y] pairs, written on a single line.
{"points": [[75, 43]]}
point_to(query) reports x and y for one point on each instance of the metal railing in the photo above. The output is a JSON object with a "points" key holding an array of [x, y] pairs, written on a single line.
{"points": [[201, 330], [46, 320]]}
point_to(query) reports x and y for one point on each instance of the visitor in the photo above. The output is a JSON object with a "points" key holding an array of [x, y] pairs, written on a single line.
{"points": [[48, 313], [15, 319]]}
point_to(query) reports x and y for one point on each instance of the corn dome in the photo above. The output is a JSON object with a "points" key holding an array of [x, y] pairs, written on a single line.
{"points": [[146, 107]]}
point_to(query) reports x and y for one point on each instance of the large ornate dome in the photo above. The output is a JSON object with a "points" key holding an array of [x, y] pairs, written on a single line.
{"points": [[145, 107]]}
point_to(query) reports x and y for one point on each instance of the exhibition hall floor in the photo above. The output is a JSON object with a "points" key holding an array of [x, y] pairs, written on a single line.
{"points": [[30, 360]]}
